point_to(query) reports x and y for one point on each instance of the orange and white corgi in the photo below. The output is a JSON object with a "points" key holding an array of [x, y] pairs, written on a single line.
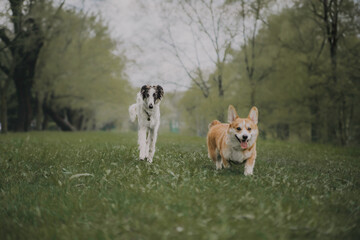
{"points": [[234, 141]]}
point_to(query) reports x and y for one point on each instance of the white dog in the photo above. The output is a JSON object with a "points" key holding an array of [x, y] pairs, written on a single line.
{"points": [[147, 109]]}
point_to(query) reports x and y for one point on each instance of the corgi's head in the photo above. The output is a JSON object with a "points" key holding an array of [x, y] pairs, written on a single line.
{"points": [[151, 95], [243, 131]]}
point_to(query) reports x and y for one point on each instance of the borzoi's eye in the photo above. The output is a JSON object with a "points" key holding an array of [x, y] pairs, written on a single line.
{"points": [[147, 95], [249, 129], [154, 95], [239, 128]]}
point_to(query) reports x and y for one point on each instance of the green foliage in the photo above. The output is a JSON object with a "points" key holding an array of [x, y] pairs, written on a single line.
{"points": [[302, 88], [291, 78], [64, 64], [91, 185], [80, 70]]}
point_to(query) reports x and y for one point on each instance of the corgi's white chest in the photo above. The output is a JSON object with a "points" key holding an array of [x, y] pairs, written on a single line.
{"points": [[237, 155]]}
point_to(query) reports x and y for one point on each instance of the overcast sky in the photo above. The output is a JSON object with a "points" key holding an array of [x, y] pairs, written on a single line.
{"points": [[139, 26]]}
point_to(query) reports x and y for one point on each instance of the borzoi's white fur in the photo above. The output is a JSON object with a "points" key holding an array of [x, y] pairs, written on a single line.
{"points": [[147, 110]]}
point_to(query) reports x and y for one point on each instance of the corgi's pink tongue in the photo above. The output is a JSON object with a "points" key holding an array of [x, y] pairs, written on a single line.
{"points": [[243, 144]]}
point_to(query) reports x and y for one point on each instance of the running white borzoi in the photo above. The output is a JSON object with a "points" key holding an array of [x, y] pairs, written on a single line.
{"points": [[147, 110]]}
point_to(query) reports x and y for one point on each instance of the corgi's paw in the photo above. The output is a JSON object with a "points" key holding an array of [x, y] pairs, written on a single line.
{"points": [[226, 165], [218, 165], [248, 171]]}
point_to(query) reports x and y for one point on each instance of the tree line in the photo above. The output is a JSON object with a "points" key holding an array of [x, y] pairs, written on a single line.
{"points": [[299, 65], [58, 66]]}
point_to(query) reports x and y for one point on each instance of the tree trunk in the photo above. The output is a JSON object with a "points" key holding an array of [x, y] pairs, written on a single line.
{"points": [[60, 121], [24, 111], [45, 121], [220, 110], [80, 121], [220, 86], [331, 20], [252, 95], [315, 120], [342, 120], [25, 49], [283, 131], [39, 113], [3, 120]]}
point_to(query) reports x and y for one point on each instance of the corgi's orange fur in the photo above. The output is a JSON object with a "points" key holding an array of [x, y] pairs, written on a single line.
{"points": [[234, 141]]}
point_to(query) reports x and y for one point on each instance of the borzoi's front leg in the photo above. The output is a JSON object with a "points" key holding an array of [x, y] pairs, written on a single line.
{"points": [[152, 138], [147, 143], [142, 143]]}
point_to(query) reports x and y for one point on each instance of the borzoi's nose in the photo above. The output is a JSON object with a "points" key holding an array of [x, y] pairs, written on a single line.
{"points": [[245, 137], [151, 106]]}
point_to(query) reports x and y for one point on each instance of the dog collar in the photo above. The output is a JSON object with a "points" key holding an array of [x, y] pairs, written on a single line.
{"points": [[147, 115]]}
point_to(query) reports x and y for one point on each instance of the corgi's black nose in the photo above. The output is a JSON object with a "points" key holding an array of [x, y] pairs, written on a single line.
{"points": [[151, 106], [245, 137]]}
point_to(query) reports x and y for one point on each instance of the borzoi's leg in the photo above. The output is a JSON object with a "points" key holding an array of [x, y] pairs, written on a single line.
{"points": [[142, 142], [147, 143], [153, 138]]}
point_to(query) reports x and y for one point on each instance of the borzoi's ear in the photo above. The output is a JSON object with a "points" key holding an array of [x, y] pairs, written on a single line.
{"points": [[253, 115], [232, 114], [144, 90], [159, 92]]}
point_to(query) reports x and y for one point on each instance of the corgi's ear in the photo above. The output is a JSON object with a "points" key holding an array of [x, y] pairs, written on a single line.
{"points": [[253, 115], [232, 115]]}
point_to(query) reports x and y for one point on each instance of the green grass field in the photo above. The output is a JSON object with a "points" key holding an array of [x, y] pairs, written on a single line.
{"points": [[298, 191]]}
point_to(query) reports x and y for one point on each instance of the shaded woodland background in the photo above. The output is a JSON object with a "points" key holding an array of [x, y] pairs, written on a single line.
{"points": [[298, 63]]}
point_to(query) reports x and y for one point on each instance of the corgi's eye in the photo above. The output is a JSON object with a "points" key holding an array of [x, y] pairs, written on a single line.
{"points": [[239, 128], [249, 129]]}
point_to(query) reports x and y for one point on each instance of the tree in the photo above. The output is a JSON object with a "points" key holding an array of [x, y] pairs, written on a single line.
{"points": [[303, 48], [253, 14], [296, 99], [64, 68], [80, 82], [5, 81], [337, 20], [214, 29], [25, 40]]}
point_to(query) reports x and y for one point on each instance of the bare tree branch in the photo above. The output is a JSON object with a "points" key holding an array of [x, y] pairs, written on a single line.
{"points": [[198, 80]]}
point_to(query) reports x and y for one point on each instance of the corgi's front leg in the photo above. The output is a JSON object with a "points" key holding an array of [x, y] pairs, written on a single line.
{"points": [[249, 165], [225, 163]]}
